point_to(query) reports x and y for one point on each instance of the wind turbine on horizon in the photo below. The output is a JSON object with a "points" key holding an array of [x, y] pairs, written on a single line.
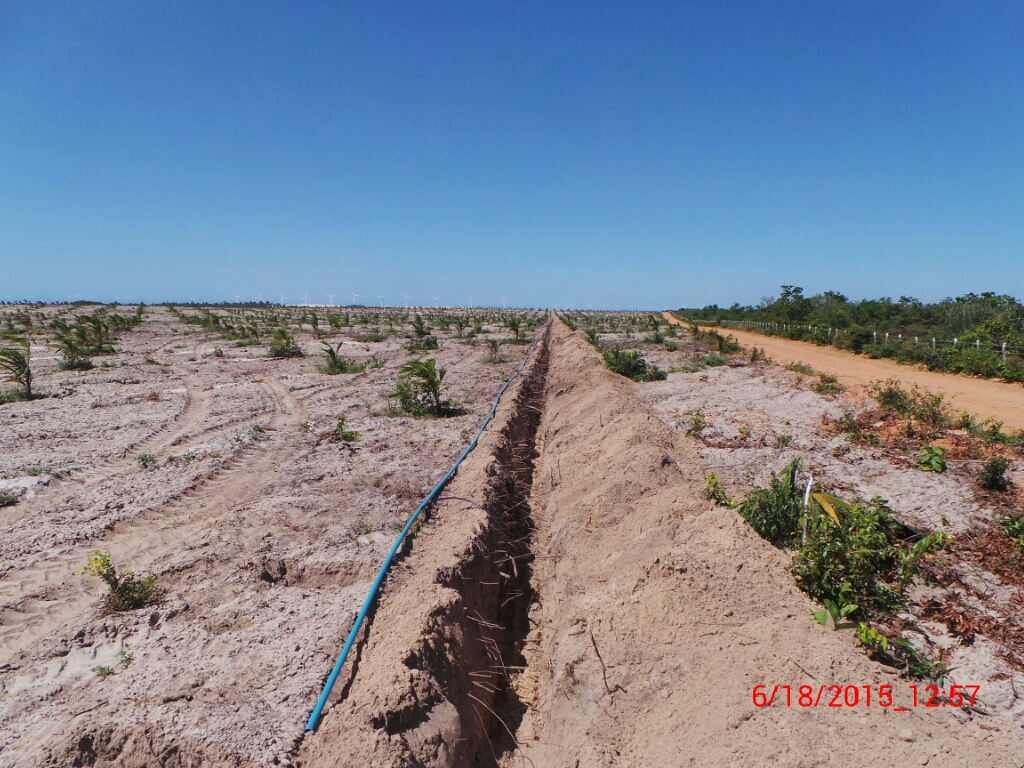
{"points": [[381, 297], [305, 299], [470, 302], [503, 301], [237, 297], [283, 297], [406, 300], [330, 299], [260, 297], [354, 297], [435, 301]]}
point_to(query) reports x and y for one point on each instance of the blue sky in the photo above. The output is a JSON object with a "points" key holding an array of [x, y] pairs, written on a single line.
{"points": [[590, 154]]}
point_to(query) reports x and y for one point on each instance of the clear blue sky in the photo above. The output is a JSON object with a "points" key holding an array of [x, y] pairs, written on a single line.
{"points": [[594, 154]]}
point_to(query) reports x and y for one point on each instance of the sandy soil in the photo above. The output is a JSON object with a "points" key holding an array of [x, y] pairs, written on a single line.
{"points": [[749, 408], [652, 616], [980, 397], [600, 612], [263, 537]]}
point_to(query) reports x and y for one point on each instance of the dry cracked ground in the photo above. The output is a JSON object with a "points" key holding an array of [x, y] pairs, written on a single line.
{"points": [[601, 613]]}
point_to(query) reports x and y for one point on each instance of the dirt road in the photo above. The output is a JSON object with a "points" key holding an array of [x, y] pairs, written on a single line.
{"points": [[981, 397]]}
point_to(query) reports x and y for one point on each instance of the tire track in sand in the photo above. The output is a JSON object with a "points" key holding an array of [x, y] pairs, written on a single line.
{"points": [[40, 598]]}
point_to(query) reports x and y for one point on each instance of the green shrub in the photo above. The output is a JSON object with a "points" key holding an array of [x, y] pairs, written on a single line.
{"points": [[712, 360], [854, 552], [716, 493], [828, 385], [907, 559], [1014, 528], [422, 344], [932, 458], [418, 390], [345, 435], [993, 474], [494, 351], [802, 368], [924, 407], [8, 499], [775, 512], [125, 592]]}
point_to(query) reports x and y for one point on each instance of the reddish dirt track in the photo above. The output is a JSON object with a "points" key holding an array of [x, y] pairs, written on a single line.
{"points": [[982, 398]]}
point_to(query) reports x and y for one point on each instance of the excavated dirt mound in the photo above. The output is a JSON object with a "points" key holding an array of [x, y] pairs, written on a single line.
{"points": [[652, 617]]}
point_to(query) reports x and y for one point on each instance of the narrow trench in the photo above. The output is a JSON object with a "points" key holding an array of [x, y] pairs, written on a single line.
{"points": [[474, 648], [510, 502]]}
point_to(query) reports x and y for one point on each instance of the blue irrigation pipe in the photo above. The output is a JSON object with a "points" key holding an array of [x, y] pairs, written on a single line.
{"points": [[314, 718]]}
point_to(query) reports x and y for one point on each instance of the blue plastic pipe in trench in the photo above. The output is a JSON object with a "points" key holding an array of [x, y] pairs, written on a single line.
{"points": [[314, 718]]}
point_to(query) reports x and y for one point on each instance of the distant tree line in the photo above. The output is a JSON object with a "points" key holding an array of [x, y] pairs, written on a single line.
{"points": [[977, 334]]}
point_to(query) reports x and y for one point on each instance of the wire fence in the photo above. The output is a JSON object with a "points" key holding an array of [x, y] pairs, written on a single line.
{"points": [[830, 336]]}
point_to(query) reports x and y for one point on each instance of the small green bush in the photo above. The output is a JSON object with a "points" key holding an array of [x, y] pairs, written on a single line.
{"points": [[345, 435], [8, 499], [494, 351], [419, 390], [125, 592], [712, 360], [1014, 528], [422, 344], [855, 552], [993, 474], [775, 512], [924, 407], [828, 385], [932, 459]]}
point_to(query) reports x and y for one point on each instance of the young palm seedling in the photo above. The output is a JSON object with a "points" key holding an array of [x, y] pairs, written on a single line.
{"points": [[334, 363], [15, 362], [514, 325], [632, 365], [494, 351], [71, 351], [419, 389], [283, 344]]}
